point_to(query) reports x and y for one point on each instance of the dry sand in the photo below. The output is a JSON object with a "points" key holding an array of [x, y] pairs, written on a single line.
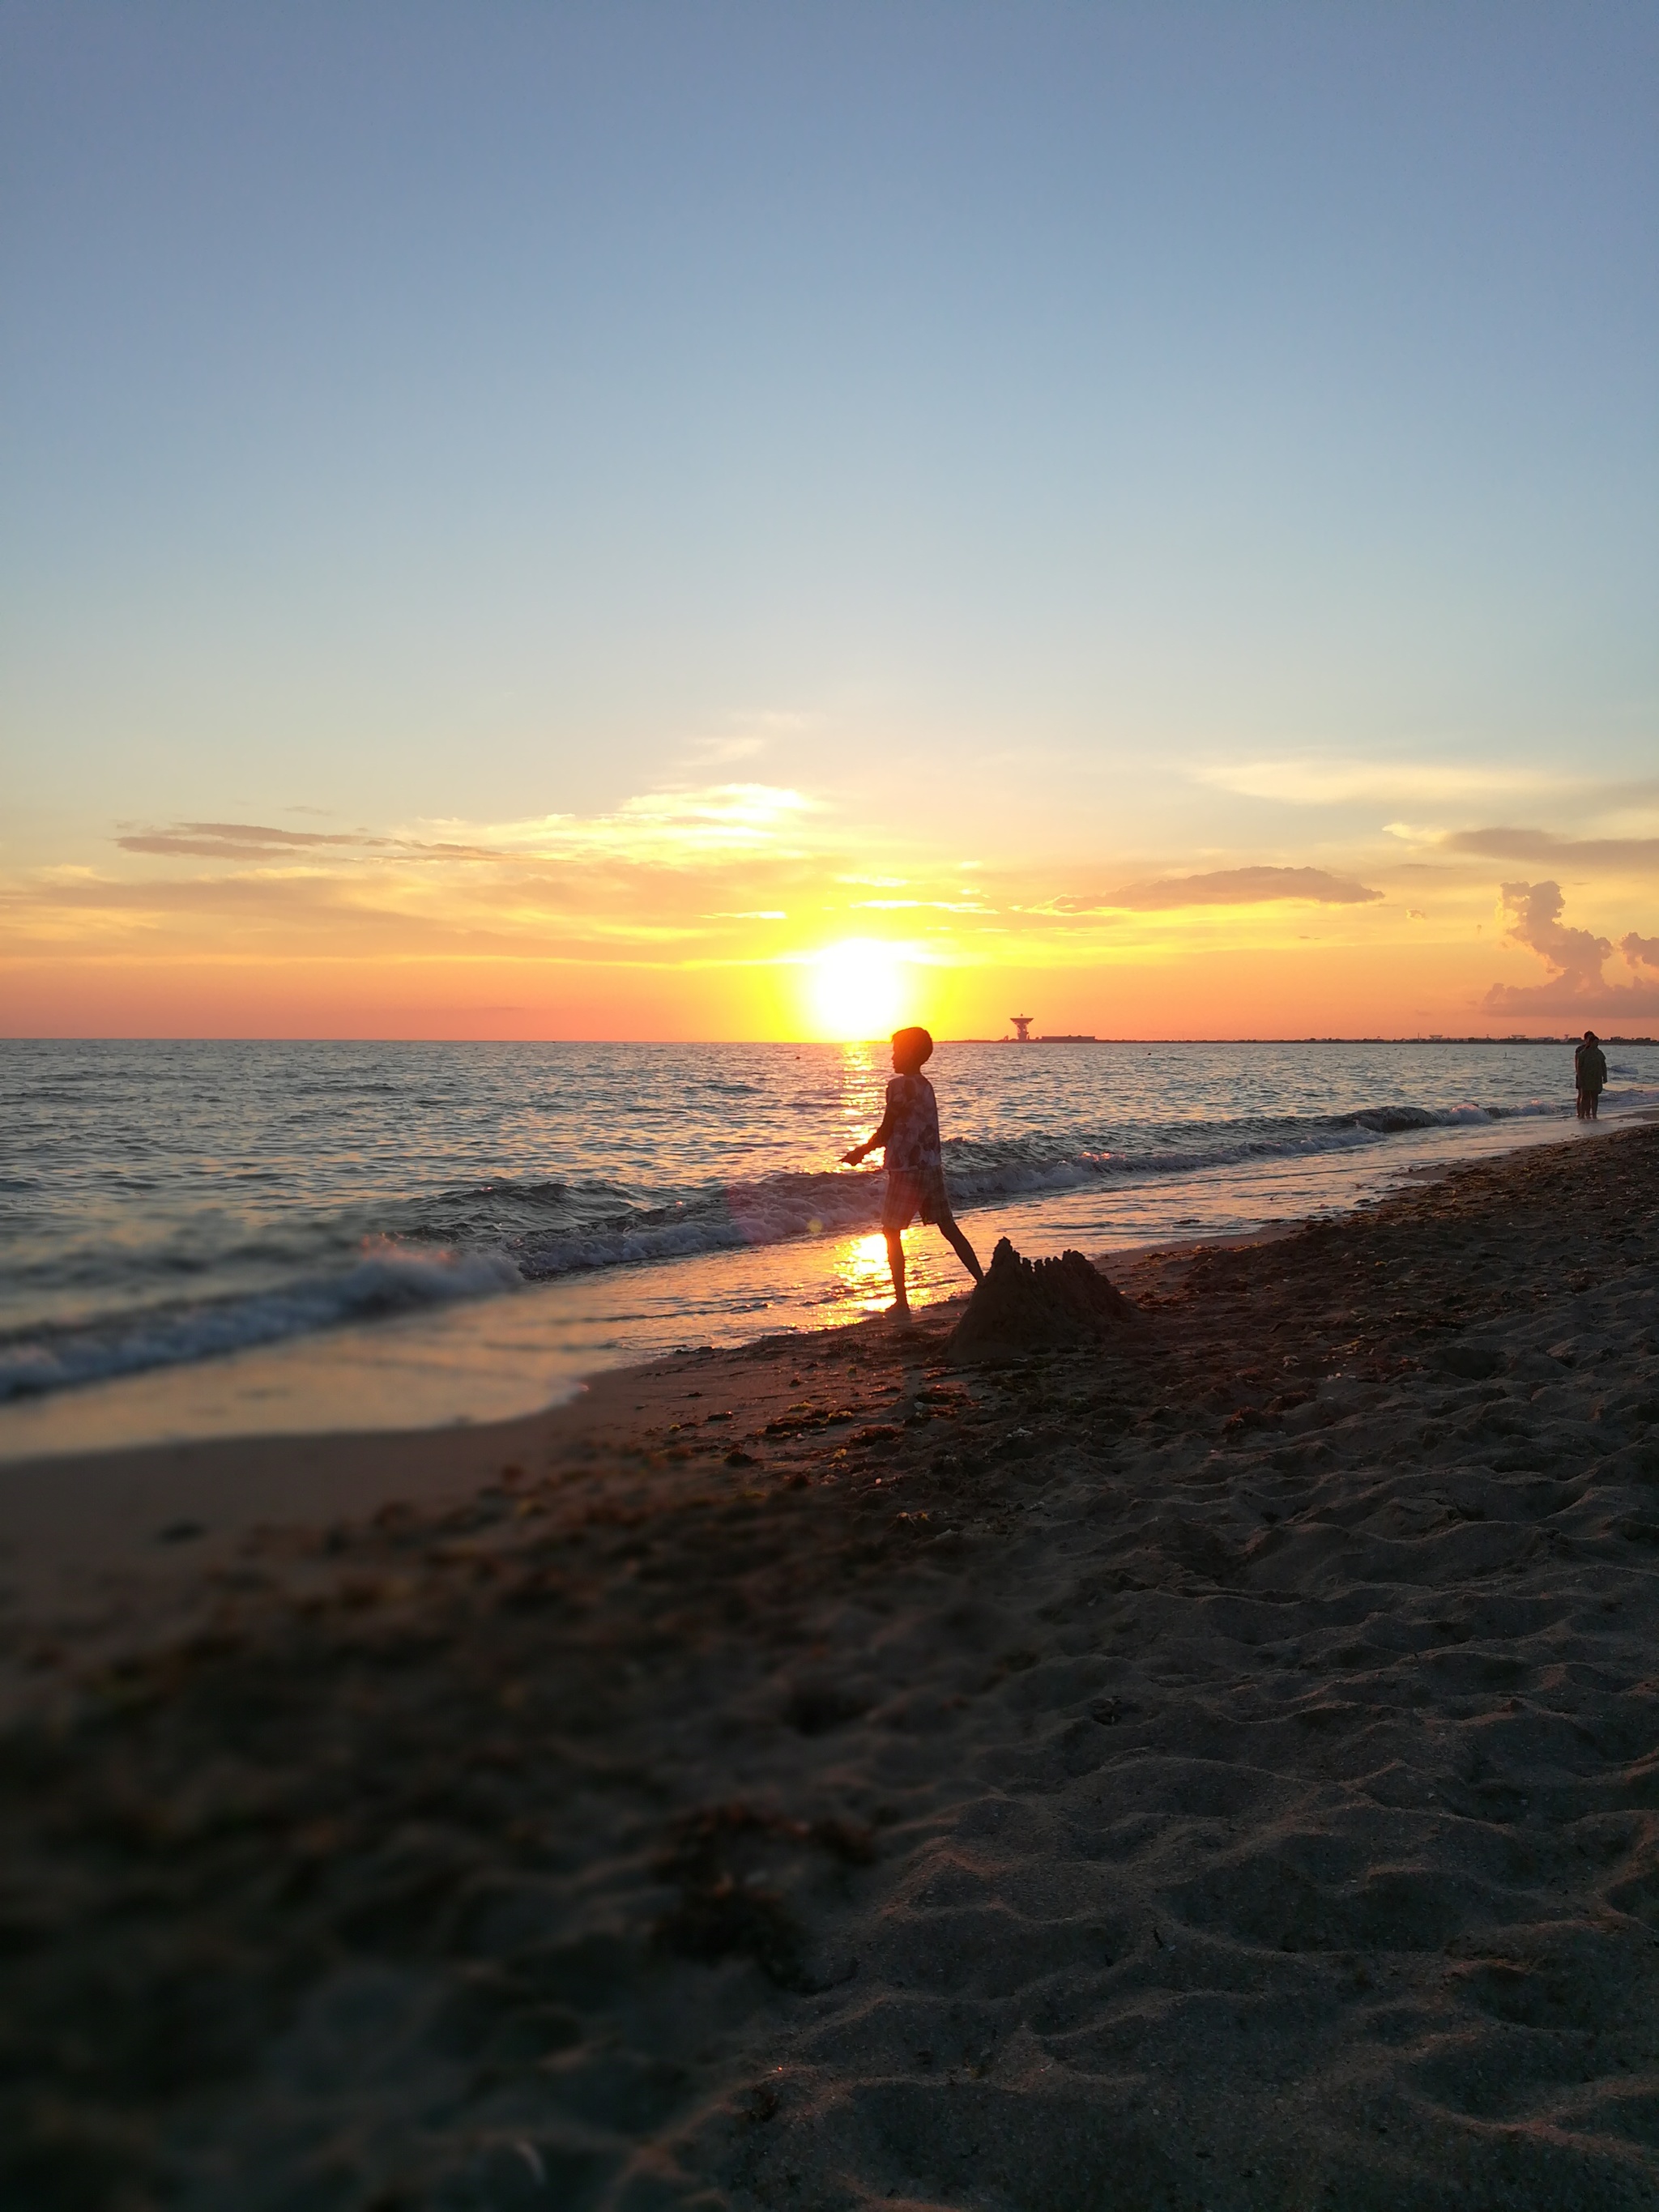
{"points": [[1221, 1772]]}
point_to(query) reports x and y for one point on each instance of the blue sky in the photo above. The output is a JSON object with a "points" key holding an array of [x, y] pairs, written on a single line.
{"points": [[1046, 430]]}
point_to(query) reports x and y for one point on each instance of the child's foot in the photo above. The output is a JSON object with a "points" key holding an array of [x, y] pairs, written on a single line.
{"points": [[900, 1315]]}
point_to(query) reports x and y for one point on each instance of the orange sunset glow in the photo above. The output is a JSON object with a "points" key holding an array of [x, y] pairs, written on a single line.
{"points": [[747, 910], [888, 556]]}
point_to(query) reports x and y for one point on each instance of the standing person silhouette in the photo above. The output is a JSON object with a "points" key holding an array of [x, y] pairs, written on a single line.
{"points": [[916, 1172], [1589, 1072]]}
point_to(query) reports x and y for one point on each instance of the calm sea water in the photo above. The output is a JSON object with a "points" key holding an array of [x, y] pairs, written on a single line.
{"points": [[163, 1203]]}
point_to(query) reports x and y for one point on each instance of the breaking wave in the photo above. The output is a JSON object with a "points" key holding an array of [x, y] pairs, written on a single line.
{"points": [[389, 1279]]}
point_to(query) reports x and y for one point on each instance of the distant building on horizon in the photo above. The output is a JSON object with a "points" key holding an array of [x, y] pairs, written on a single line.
{"points": [[1023, 1034]]}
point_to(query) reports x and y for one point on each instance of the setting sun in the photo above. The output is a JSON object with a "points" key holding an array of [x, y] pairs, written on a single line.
{"points": [[856, 990]]}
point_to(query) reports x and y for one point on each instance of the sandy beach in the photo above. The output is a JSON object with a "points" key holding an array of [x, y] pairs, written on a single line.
{"points": [[1220, 1770]]}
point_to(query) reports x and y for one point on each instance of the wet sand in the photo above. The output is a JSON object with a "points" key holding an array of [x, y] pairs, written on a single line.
{"points": [[1221, 1770]]}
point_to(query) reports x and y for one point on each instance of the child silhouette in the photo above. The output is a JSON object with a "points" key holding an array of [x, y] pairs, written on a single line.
{"points": [[915, 1173]]}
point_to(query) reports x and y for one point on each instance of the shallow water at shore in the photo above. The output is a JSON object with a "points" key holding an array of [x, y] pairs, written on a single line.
{"points": [[495, 1359], [162, 1203]]}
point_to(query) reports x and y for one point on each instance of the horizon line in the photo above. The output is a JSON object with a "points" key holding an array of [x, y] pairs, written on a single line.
{"points": [[1434, 1036]]}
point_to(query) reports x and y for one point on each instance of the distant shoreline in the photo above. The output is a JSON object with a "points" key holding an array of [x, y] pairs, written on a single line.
{"points": [[750, 1044]]}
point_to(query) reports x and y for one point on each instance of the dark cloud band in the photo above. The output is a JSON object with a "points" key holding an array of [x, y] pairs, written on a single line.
{"points": [[1228, 887]]}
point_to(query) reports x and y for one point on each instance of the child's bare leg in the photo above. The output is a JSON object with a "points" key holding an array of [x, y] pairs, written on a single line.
{"points": [[964, 1251], [895, 1262]]}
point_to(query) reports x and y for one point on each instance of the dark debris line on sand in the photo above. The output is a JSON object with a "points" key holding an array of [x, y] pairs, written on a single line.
{"points": [[1217, 1771]]}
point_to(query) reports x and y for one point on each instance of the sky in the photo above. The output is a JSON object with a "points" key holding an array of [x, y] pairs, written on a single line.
{"points": [[713, 520]]}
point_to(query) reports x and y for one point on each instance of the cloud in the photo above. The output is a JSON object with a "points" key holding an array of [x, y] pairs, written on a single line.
{"points": [[1640, 951], [1575, 957], [1228, 887], [747, 735], [238, 841], [1534, 913], [688, 869], [932, 905], [667, 828], [1334, 782], [664, 828], [391, 911], [1501, 844]]}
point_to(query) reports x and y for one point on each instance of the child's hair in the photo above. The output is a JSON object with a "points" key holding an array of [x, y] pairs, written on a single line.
{"points": [[914, 1044]]}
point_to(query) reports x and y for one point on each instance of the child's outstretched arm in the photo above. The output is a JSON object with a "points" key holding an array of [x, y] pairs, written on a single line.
{"points": [[879, 1137]]}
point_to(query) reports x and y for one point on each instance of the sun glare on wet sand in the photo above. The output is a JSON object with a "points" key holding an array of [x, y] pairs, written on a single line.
{"points": [[856, 990]]}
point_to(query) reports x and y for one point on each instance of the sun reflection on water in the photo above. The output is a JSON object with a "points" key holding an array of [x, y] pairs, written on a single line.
{"points": [[862, 1275], [862, 1092]]}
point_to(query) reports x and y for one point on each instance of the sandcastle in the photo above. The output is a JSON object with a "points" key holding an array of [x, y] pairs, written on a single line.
{"points": [[1038, 1305]]}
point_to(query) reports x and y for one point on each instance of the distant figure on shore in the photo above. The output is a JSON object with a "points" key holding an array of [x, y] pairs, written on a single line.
{"points": [[1589, 1072], [916, 1173]]}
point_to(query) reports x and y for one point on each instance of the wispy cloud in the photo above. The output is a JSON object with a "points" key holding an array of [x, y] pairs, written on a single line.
{"points": [[1227, 887], [666, 827], [746, 735], [240, 841], [658, 826], [1504, 844], [931, 906], [688, 872], [1317, 782]]}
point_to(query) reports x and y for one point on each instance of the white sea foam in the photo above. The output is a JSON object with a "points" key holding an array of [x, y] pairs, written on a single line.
{"points": [[979, 1174], [388, 1279]]}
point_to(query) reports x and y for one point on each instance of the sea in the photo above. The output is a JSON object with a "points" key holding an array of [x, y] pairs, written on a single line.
{"points": [[205, 1238]]}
